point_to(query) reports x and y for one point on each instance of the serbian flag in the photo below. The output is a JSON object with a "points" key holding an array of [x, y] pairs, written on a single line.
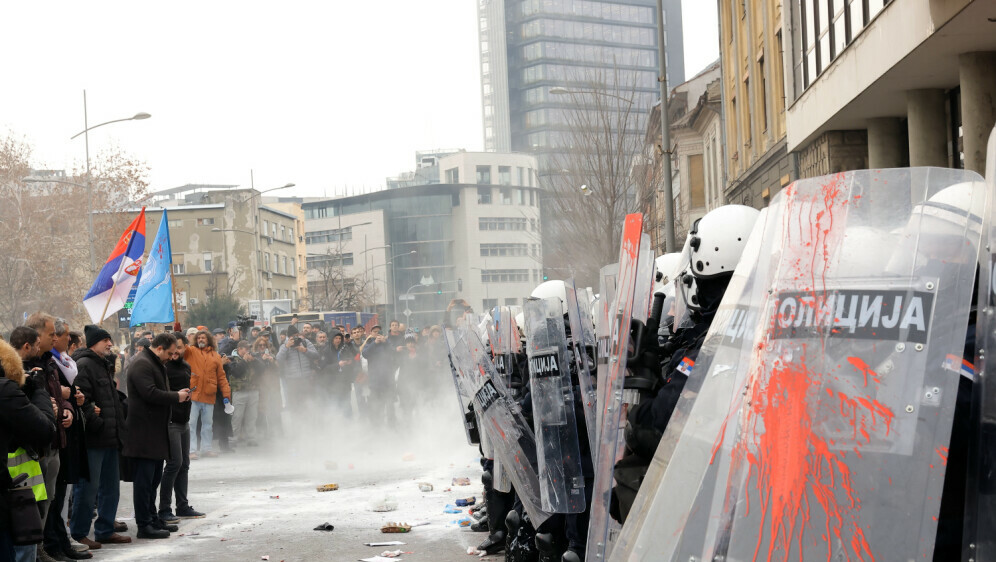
{"points": [[110, 290]]}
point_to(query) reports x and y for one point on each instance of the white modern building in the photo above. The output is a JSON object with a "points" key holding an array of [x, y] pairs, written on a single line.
{"points": [[472, 233]]}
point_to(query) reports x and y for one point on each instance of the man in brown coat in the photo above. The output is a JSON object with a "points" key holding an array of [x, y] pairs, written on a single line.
{"points": [[207, 375], [147, 439]]}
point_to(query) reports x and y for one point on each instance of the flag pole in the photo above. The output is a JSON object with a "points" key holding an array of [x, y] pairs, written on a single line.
{"points": [[114, 285]]}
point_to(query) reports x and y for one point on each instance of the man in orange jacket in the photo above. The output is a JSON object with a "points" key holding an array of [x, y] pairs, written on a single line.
{"points": [[207, 375]]}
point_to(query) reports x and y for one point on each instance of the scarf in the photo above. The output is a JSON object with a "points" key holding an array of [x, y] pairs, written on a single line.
{"points": [[66, 365]]}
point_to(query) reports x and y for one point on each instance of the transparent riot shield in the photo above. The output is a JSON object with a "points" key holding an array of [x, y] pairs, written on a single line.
{"points": [[558, 451], [504, 339], [464, 397], [819, 428], [622, 302], [582, 343], [501, 418], [980, 513]]}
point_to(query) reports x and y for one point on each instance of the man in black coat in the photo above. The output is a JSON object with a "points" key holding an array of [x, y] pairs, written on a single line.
{"points": [[178, 465], [150, 404], [104, 419]]}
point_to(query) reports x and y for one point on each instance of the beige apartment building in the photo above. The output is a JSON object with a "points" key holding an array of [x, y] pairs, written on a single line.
{"points": [[214, 242], [752, 40]]}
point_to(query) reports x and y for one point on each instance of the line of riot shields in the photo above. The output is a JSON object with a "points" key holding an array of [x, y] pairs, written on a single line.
{"points": [[807, 381]]}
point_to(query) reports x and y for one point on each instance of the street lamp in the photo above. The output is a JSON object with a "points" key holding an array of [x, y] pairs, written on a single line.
{"points": [[394, 280], [255, 238], [89, 187]]}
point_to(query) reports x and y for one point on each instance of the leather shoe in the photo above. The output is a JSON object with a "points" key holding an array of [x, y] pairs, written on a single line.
{"points": [[69, 554], [150, 532], [120, 527], [113, 539], [480, 526], [91, 544]]}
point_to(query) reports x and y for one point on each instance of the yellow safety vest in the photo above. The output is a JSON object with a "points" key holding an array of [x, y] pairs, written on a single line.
{"points": [[19, 462]]}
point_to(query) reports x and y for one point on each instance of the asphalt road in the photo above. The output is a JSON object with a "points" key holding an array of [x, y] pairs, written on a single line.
{"points": [[245, 521]]}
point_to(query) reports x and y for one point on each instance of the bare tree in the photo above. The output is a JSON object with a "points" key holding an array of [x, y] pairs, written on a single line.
{"points": [[332, 288], [44, 255], [592, 180]]}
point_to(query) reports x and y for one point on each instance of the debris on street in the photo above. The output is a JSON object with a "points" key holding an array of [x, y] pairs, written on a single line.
{"points": [[424, 487], [395, 528], [461, 481], [464, 502], [328, 487], [386, 543], [325, 527]]}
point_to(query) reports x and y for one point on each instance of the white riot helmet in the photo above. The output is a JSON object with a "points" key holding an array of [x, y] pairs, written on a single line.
{"points": [[667, 270], [552, 288], [717, 240], [712, 249], [952, 217]]}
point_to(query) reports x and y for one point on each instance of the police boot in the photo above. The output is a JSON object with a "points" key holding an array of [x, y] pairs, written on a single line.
{"points": [[571, 556], [494, 544], [548, 547], [512, 523], [523, 546], [480, 526]]}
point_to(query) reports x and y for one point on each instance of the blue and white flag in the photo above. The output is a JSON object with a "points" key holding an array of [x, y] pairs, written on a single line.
{"points": [[154, 297]]}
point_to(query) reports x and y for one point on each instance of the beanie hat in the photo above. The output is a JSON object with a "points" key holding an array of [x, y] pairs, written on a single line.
{"points": [[95, 334], [191, 331]]}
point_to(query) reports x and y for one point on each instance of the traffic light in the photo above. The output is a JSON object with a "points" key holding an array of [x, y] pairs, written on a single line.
{"points": [[545, 276], [459, 285], [439, 288]]}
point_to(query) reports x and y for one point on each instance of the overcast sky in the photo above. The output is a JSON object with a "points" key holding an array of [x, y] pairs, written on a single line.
{"points": [[331, 95]]}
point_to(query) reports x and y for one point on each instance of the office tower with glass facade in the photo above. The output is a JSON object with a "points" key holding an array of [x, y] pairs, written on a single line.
{"points": [[530, 46]]}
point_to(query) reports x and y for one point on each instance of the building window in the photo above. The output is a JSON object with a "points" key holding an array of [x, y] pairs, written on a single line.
{"points": [[511, 302], [294, 295], [502, 223], [266, 227], [283, 232], [504, 175], [520, 197], [174, 223], [506, 195], [286, 270], [207, 261], [293, 270], [325, 236], [266, 261], [489, 303], [273, 233], [504, 250], [178, 269], [504, 276], [483, 195], [532, 198], [532, 225], [696, 181], [484, 175], [532, 177], [521, 176], [453, 175], [330, 260], [205, 222], [764, 94]]}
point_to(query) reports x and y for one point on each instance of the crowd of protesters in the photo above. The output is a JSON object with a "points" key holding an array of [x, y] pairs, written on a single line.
{"points": [[80, 415]]}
